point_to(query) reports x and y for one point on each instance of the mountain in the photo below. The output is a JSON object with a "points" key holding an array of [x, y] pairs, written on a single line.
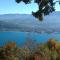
{"points": [[26, 22]]}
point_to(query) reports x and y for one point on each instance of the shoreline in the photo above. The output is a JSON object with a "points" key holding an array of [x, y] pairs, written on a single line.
{"points": [[32, 32]]}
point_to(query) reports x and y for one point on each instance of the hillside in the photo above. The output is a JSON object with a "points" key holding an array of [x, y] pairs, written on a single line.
{"points": [[26, 22]]}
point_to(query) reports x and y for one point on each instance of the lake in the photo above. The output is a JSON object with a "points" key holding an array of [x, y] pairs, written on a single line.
{"points": [[21, 37]]}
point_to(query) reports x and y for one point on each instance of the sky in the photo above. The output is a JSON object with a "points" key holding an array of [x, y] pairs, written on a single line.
{"points": [[11, 7]]}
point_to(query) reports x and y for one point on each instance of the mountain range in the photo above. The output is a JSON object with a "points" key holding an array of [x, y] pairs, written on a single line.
{"points": [[28, 23]]}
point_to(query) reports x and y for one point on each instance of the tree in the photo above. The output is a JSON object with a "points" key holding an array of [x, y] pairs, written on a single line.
{"points": [[45, 7]]}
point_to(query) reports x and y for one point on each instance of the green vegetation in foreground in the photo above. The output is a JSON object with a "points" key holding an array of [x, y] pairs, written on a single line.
{"points": [[49, 50]]}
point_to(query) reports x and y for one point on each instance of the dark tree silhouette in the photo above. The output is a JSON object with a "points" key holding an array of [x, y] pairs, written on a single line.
{"points": [[45, 7]]}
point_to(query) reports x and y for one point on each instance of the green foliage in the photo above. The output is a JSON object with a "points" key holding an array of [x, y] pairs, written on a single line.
{"points": [[46, 51], [25, 1], [9, 53], [45, 7]]}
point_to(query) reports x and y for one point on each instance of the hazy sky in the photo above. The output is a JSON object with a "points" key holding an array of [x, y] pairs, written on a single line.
{"points": [[10, 6]]}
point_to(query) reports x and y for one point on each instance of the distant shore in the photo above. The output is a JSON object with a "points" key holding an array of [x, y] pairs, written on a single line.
{"points": [[40, 32]]}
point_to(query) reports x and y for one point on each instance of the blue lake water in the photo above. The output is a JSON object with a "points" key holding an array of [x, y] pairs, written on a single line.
{"points": [[21, 37]]}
